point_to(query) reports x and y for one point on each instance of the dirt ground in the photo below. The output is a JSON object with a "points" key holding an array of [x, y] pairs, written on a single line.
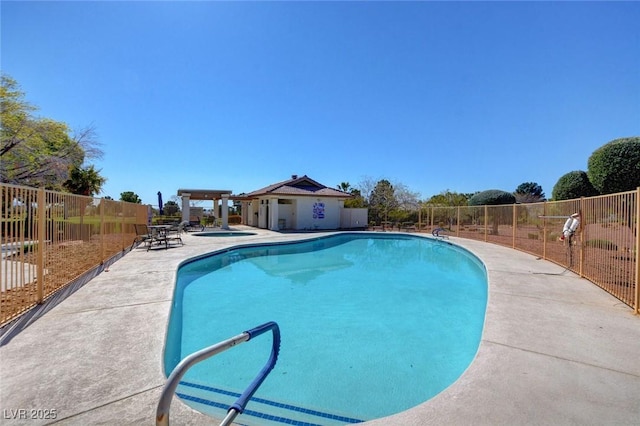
{"points": [[63, 263]]}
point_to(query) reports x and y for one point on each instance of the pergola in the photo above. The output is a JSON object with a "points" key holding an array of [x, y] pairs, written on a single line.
{"points": [[206, 194]]}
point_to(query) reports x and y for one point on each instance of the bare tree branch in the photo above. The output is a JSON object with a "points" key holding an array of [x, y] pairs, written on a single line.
{"points": [[87, 138]]}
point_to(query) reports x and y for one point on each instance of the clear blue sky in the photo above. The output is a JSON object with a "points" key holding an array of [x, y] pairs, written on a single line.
{"points": [[464, 96]]}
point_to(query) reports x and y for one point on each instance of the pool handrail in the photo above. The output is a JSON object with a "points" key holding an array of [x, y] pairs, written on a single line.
{"points": [[169, 389]]}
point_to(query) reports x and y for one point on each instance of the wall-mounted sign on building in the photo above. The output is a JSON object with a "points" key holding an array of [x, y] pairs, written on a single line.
{"points": [[318, 210]]}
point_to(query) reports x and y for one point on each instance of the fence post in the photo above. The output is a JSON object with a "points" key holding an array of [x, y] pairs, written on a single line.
{"points": [[458, 220], [122, 234], [581, 227], [636, 302], [102, 257], [41, 248], [515, 224], [486, 222], [544, 230], [431, 218]]}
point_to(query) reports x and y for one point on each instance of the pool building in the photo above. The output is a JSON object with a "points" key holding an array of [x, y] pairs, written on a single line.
{"points": [[297, 204]]}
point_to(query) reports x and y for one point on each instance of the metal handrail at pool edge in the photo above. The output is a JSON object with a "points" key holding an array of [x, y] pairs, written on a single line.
{"points": [[169, 389]]}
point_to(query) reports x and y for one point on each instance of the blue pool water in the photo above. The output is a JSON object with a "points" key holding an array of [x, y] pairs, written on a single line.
{"points": [[372, 324]]}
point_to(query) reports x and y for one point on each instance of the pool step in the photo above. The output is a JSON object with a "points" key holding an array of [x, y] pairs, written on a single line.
{"points": [[259, 411]]}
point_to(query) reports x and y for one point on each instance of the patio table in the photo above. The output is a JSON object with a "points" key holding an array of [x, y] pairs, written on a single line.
{"points": [[163, 234]]}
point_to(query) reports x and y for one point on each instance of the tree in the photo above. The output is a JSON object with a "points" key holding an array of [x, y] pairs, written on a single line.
{"points": [[366, 187], [84, 181], [130, 197], [357, 200], [38, 151], [407, 199], [448, 199], [344, 186], [382, 200], [573, 185], [529, 192], [44, 158], [171, 208], [15, 114], [615, 166], [407, 204]]}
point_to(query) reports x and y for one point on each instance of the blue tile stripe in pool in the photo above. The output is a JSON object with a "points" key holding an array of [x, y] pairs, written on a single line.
{"points": [[265, 416]]}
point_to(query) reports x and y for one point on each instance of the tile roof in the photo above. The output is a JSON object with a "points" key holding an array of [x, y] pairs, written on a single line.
{"points": [[303, 186]]}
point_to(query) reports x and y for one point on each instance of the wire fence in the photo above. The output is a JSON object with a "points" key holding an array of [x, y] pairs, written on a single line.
{"points": [[603, 249], [49, 239]]}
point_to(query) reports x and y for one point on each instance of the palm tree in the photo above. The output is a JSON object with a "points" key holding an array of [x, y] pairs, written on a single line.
{"points": [[84, 181], [344, 186]]}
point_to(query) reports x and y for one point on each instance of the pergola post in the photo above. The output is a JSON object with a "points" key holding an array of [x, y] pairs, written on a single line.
{"points": [[225, 211], [186, 206]]}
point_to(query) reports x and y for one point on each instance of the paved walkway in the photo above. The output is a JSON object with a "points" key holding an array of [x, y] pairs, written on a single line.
{"points": [[555, 349]]}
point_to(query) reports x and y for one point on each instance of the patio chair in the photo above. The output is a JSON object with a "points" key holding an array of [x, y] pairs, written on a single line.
{"points": [[158, 236], [142, 235], [210, 221], [194, 224], [173, 234], [150, 236]]}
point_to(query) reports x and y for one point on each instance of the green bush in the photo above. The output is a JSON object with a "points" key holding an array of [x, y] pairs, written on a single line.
{"points": [[492, 197], [573, 185], [602, 244], [615, 166]]}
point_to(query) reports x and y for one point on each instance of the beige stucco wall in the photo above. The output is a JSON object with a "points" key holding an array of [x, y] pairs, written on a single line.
{"points": [[354, 218], [303, 213], [327, 213]]}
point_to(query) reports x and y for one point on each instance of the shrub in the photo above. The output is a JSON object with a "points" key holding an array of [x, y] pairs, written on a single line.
{"points": [[615, 166], [573, 185], [492, 197], [235, 219]]}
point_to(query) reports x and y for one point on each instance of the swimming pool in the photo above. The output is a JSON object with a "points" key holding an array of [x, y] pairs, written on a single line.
{"points": [[372, 324]]}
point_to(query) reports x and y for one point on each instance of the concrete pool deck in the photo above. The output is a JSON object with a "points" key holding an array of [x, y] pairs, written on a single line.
{"points": [[555, 349]]}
